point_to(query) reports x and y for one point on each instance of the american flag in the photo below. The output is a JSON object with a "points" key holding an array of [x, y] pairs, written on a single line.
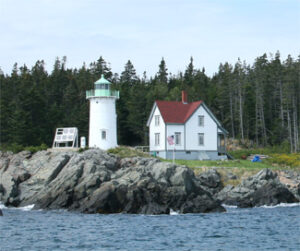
{"points": [[171, 140]]}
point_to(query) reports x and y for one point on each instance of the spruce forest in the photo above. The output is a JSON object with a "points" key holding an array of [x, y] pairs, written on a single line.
{"points": [[259, 102]]}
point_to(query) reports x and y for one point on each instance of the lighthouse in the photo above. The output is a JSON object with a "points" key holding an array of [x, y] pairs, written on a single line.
{"points": [[103, 117]]}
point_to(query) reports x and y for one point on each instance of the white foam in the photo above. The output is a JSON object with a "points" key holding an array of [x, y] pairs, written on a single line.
{"points": [[172, 212], [283, 205], [26, 208], [2, 206], [229, 206]]}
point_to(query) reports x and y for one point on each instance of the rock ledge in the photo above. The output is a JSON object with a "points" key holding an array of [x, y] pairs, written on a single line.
{"points": [[97, 182]]}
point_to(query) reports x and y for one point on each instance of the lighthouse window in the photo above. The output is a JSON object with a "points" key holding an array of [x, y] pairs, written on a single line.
{"points": [[106, 87], [103, 135]]}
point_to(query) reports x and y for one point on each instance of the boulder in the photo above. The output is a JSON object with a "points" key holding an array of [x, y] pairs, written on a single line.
{"points": [[296, 191], [211, 180], [78, 175], [12, 173], [291, 178], [151, 187], [231, 176], [264, 188]]}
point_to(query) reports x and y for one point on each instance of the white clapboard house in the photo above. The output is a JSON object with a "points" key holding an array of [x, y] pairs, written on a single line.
{"points": [[192, 128]]}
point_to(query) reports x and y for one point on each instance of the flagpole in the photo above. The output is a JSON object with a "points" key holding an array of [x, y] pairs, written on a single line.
{"points": [[174, 154], [171, 142]]}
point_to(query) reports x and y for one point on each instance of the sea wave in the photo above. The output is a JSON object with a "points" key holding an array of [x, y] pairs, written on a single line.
{"points": [[266, 206], [172, 212], [25, 208], [229, 206], [2, 206], [283, 205]]}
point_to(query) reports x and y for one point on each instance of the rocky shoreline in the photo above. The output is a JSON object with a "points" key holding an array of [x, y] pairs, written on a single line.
{"points": [[97, 182]]}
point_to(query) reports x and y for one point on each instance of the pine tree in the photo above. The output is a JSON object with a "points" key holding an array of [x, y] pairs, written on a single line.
{"points": [[239, 78], [162, 75], [127, 80], [189, 73], [259, 102], [101, 67]]}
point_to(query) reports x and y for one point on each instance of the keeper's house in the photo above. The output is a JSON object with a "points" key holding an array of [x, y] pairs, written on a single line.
{"points": [[194, 130]]}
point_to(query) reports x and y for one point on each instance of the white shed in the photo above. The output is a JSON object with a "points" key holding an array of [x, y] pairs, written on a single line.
{"points": [[194, 130]]}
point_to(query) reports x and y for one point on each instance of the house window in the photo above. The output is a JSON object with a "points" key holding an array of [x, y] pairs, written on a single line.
{"points": [[157, 139], [157, 120], [201, 120], [201, 139], [103, 134], [177, 138]]}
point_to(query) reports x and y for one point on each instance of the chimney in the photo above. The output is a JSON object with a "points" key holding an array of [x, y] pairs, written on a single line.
{"points": [[184, 97]]}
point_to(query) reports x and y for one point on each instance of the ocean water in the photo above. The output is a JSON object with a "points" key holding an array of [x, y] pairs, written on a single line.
{"points": [[263, 228]]}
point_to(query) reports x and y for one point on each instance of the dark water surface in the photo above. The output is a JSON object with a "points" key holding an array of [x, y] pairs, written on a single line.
{"points": [[276, 228]]}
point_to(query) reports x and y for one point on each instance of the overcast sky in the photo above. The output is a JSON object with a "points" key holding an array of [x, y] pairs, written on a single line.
{"points": [[144, 31]]}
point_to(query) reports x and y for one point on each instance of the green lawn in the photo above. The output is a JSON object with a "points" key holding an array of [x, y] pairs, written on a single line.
{"points": [[227, 163], [241, 168]]}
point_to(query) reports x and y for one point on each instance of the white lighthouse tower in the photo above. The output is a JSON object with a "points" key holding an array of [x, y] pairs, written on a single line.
{"points": [[103, 117]]}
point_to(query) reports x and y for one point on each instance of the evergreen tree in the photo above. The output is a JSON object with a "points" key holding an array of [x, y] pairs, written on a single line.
{"points": [[189, 74], [101, 67], [128, 79], [162, 75], [259, 102]]}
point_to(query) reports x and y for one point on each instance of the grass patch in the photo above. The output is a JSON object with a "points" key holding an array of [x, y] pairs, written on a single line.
{"points": [[277, 149], [247, 164], [126, 151], [276, 158], [242, 169], [16, 148], [290, 160], [239, 154]]}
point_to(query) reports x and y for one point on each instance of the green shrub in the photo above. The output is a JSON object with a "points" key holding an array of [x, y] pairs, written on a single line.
{"points": [[280, 149], [291, 160], [15, 148], [125, 151], [80, 150], [34, 149]]}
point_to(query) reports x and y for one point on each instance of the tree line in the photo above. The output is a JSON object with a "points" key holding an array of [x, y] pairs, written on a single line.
{"points": [[258, 102]]}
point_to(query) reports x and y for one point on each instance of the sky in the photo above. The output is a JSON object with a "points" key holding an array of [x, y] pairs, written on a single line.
{"points": [[144, 31]]}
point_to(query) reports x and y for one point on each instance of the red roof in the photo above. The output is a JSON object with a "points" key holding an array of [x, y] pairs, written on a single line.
{"points": [[176, 111]]}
